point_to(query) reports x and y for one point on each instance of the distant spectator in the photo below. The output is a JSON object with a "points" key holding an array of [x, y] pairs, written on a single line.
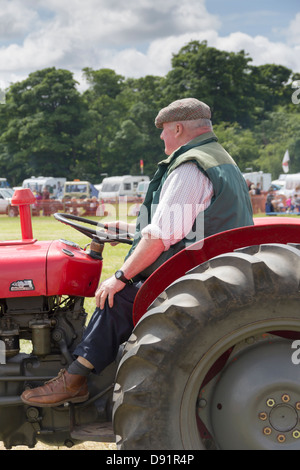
{"points": [[290, 204], [46, 202], [91, 206], [257, 189], [248, 184], [45, 193], [38, 197], [297, 202], [101, 212], [134, 209], [280, 205], [269, 204], [60, 191], [73, 208], [37, 206], [252, 189]]}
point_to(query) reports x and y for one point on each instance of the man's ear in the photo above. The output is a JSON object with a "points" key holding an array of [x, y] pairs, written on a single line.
{"points": [[179, 129]]}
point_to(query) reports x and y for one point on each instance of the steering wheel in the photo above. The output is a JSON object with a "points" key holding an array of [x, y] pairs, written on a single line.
{"points": [[69, 219]]}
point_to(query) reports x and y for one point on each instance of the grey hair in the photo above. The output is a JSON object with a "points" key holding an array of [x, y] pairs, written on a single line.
{"points": [[194, 124]]}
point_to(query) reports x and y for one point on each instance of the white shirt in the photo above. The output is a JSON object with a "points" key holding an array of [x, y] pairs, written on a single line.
{"points": [[185, 193]]}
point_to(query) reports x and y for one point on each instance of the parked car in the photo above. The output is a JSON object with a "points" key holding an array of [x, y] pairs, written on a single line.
{"points": [[5, 202], [79, 189]]}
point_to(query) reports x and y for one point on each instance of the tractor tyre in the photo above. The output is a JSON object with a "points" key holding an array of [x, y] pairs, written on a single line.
{"points": [[213, 364]]}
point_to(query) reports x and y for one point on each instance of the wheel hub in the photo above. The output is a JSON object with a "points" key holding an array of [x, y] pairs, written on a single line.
{"points": [[256, 401], [283, 418]]}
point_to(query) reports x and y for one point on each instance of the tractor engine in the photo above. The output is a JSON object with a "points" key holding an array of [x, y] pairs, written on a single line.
{"points": [[42, 324], [37, 337]]}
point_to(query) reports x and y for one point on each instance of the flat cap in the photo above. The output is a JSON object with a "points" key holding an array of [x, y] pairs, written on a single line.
{"points": [[187, 109]]}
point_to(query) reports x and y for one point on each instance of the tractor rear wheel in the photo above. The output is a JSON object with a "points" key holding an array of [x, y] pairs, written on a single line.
{"points": [[213, 364]]}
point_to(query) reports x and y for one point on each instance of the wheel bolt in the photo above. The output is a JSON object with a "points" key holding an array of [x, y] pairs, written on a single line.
{"points": [[267, 431], [296, 434], [285, 398], [270, 402], [281, 438], [262, 416], [298, 405]]}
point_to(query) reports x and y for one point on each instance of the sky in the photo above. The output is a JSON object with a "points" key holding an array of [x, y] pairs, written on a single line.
{"points": [[136, 38]]}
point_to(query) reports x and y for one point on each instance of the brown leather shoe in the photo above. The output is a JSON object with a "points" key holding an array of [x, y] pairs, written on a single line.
{"points": [[63, 388]]}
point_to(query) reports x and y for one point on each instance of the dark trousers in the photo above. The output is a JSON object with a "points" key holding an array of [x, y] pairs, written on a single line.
{"points": [[108, 329]]}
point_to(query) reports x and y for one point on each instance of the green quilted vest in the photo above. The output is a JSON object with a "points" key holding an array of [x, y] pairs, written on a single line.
{"points": [[230, 206]]}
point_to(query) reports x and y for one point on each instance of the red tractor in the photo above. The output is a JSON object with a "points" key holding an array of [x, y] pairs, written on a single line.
{"points": [[213, 361]]}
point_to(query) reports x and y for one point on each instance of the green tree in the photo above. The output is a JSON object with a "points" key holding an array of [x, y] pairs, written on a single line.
{"points": [[271, 86], [101, 122], [277, 133], [144, 98], [240, 143], [43, 116], [219, 78]]}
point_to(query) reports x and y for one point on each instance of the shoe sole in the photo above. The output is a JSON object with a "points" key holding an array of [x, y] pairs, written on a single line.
{"points": [[52, 405]]}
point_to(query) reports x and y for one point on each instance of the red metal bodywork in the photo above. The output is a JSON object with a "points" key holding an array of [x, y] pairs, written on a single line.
{"points": [[30, 268], [23, 198], [266, 230], [47, 268]]}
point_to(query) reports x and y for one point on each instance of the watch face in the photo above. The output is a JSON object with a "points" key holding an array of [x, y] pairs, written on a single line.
{"points": [[119, 275]]}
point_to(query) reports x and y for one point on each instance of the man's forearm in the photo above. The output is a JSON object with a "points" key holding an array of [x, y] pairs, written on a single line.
{"points": [[146, 252]]}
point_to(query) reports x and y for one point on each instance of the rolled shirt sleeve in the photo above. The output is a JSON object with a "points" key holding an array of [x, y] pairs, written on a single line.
{"points": [[185, 193]]}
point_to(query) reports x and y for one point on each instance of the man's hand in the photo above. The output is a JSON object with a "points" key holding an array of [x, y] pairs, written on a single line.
{"points": [[107, 290], [121, 228], [145, 254]]}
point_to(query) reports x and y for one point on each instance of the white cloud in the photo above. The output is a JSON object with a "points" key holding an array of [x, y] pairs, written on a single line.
{"points": [[260, 49], [134, 39], [157, 58], [16, 19], [293, 32]]}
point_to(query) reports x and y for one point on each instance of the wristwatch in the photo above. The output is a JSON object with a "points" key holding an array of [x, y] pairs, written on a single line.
{"points": [[120, 276]]}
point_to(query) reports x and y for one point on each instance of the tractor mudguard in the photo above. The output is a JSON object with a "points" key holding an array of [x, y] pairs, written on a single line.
{"points": [[266, 230]]}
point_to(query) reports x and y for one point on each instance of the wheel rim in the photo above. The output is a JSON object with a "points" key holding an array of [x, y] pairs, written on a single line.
{"points": [[236, 409]]}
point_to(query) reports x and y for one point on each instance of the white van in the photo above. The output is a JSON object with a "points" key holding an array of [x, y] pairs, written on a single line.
{"points": [[292, 184], [258, 177], [55, 186], [116, 187], [142, 189]]}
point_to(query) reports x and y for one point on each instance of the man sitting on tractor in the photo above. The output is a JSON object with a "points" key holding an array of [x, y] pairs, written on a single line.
{"points": [[198, 178]]}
